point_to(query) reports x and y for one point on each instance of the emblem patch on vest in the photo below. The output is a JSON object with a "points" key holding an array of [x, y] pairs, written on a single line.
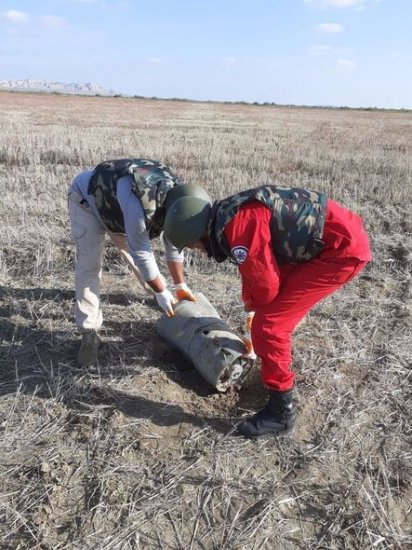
{"points": [[239, 253]]}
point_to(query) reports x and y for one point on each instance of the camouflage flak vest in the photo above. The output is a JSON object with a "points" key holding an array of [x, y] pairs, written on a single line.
{"points": [[298, 218], [151, 182]]}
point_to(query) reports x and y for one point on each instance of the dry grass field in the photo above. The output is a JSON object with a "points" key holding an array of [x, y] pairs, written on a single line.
{"points": [[137, 453]]}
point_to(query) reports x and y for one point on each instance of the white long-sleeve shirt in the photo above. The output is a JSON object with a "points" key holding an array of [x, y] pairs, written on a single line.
{"points": [[137, 237]]}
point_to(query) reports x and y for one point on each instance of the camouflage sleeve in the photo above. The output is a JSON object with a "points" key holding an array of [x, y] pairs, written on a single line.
{"points": [[249, 239]]}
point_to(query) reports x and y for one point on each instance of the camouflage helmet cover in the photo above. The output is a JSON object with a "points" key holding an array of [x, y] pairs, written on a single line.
{"points": [[185, 190]]}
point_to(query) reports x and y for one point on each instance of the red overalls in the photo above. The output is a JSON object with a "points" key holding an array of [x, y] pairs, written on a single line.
{"points": [[281, 295]]}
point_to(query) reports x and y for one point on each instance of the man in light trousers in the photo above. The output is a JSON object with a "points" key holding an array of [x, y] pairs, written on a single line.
{"points": [[125, 199]]}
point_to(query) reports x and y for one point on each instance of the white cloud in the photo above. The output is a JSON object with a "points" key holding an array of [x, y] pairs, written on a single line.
{"points": [[336, 3], [330, 27], [156, 60], [19, 18], [346, 63], [15, 16], [229, 59]]}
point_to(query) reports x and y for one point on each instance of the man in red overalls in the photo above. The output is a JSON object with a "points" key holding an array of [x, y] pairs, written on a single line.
{"points": [[293, 247]]}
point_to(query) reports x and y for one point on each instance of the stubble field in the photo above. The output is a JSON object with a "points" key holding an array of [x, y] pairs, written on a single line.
{"points": [[137, 452]]}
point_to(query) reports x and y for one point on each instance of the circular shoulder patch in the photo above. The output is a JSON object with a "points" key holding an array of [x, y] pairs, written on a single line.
{"points": [[239, 253]]}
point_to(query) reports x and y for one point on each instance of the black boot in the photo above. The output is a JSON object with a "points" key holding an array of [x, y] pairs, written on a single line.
{"points": [[89, 347], [277, 417]]}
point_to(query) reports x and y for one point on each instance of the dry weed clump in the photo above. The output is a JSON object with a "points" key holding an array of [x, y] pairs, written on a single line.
{"points": [[137, 452]]}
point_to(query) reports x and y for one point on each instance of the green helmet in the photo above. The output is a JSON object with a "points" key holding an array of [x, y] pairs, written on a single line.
{"points": [[184, 190], [186, 220]]}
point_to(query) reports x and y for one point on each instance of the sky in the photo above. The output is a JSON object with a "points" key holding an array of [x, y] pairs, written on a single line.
{"points": [[355, 53]]}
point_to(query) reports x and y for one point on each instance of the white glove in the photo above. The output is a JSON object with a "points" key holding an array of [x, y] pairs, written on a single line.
{"points": [[247, 338], [166, 301], [183, 292]]}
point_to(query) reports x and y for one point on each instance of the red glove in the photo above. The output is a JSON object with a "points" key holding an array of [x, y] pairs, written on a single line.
{"points": [[247, 338], [184, 293]]}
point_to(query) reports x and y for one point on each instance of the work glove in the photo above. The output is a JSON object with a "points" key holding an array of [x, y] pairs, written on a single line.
{"points": [[246, 337], [166, 301], [184, 293]]}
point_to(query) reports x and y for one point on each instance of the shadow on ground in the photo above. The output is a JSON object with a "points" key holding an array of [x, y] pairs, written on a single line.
{"points": [[38, 357]]}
